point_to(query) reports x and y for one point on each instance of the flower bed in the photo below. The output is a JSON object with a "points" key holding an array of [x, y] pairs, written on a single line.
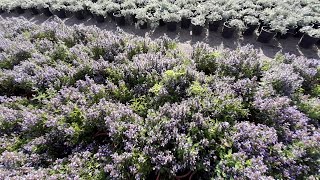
{"points": [[80, 102], [279, 18]]}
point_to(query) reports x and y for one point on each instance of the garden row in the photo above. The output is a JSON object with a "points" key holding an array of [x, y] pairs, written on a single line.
{"points": [[83, 103], [271, 17]]}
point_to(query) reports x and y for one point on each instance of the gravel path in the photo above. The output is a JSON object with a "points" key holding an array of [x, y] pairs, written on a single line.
{"points": [[186, 40]]}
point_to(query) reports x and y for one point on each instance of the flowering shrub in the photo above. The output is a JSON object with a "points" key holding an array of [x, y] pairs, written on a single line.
{"points": [[83, 103]]}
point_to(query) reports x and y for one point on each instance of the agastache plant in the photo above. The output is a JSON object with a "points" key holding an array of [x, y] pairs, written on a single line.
{"points": [[78, 102]]}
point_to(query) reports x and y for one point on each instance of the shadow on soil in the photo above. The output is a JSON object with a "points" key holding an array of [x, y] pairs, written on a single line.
{"points": [[184, 36]]}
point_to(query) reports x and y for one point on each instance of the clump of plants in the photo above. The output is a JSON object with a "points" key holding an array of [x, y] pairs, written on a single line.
{"points": [[78, 102]]}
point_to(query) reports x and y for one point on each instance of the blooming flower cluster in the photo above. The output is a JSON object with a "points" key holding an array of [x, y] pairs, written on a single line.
{"points": [[83, 103]]}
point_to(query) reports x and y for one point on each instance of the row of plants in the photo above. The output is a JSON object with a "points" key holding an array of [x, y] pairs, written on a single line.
{"points": [[84, 103], [278, 18]]}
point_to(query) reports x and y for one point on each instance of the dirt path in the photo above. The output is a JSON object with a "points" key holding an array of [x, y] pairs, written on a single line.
{"points": [[186, 40]]}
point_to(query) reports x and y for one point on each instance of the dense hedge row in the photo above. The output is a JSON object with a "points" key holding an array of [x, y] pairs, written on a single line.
{"points": [[80, 102]]}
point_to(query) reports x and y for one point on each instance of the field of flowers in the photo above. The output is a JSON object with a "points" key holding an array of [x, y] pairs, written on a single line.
{"points": [[84, 103]]}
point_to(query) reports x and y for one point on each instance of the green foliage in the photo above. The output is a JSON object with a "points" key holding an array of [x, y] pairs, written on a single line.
{"points": [[123, 93], [41, 96], [6, 127], [166, 89], [98, 52], [89, 168], [140, 105], [279, 58], [266, 66], [50, 35], [142, 161], [316, 91], [114, 75], [311, 107], [156, 88], [69, 42], [6, 64], [197, 89], [229, 160], [207, 62], [140, 47], [86, 70], [173, 75], [10, 62], [76, 116], [18, 143], [170, 45], [62, 53]]}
